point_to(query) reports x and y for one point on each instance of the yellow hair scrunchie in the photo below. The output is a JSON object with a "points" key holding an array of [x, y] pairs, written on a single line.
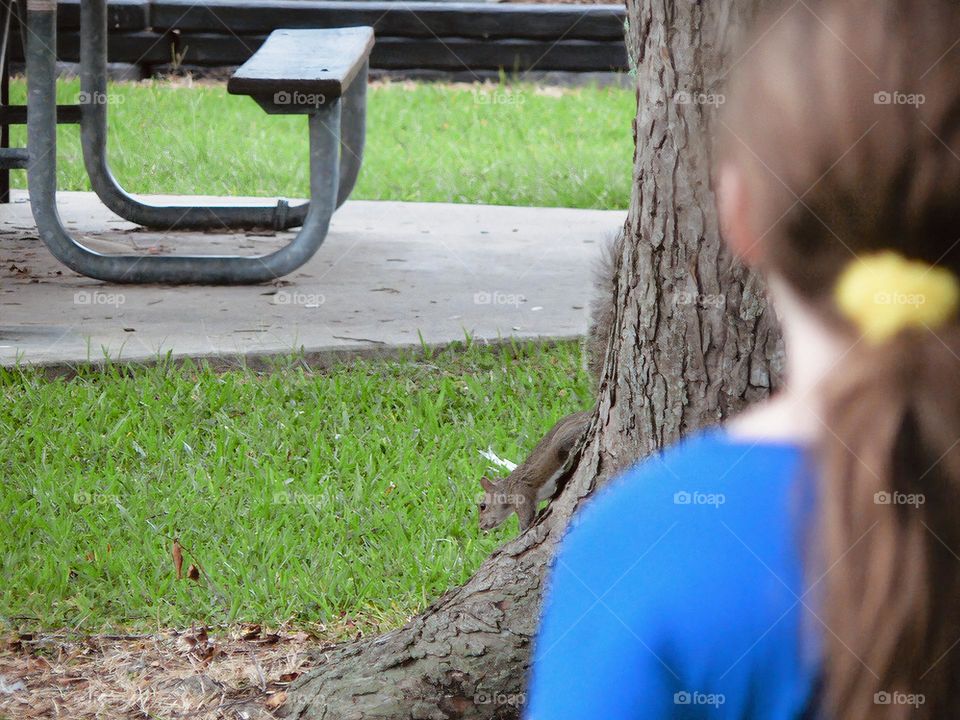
{"points": [[884, 293]]}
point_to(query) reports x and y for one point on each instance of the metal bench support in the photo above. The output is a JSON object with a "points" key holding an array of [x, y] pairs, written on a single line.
{"points": [[93, 128], [324, 133], [6, 15]]}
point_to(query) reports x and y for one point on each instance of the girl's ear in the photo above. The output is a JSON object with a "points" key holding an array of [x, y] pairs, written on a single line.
{"points": [[733, 208]]}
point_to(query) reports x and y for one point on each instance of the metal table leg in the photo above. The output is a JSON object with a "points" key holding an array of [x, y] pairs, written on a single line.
{"points": [[5, 17], [324, 132], [93, 128], [353, 133]]}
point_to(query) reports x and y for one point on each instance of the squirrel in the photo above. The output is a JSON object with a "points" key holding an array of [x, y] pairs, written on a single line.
{"points": [[536, 478]]}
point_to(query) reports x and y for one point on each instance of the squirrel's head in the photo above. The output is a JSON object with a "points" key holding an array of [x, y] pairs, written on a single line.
{"points": [[496, 504]]}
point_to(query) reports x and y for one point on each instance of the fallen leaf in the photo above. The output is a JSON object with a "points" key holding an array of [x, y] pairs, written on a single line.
{"points": [[249, 632], [193, 572], [178, 559], [206, 652], [276, 700], [69, 680]]}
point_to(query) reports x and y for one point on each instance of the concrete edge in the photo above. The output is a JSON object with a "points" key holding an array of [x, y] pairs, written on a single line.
{"points": [[321, 359]]}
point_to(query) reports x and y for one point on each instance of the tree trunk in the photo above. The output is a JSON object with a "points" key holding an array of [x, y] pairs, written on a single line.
{"points": [[692, 343]]}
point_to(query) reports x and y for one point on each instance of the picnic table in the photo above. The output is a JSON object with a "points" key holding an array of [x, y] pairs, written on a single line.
{"points": [[320, 73]]}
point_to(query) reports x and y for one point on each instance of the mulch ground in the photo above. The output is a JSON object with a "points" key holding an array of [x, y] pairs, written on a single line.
{"points": [[242, 674]]}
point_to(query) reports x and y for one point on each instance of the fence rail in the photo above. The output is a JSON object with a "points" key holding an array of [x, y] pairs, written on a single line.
{"points": [[446, 36]]}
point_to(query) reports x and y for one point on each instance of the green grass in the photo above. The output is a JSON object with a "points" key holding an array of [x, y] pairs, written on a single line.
{"points": [[301, 495], [506, 144]]}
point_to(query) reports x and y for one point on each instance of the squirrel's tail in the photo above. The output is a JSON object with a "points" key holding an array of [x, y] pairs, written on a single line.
{"points": [[602, 307]]}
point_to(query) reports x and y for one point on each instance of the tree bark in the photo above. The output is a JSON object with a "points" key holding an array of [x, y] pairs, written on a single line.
{"points": [[692, 343]]}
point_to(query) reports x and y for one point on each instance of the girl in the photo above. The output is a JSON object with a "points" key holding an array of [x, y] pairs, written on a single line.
{"points": [[804, 559]]}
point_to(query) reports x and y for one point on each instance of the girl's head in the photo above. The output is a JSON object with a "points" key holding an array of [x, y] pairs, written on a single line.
{"points": [[839, 140], [841, 136]]}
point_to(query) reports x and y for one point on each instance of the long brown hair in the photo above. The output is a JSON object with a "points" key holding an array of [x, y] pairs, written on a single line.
{"points": [[844, 117]]}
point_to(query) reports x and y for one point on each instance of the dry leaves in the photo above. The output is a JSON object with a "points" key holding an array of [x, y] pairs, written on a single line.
{"points": [[240, 673]]}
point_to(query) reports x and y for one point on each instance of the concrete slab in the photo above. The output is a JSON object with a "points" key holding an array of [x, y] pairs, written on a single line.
{"points": [[390, 275]]}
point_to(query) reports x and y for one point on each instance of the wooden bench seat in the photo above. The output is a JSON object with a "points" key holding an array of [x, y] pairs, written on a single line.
{"points": [[305, 64]]}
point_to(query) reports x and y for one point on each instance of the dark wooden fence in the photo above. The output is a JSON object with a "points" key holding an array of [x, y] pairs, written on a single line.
{"points": [[444, 36]]}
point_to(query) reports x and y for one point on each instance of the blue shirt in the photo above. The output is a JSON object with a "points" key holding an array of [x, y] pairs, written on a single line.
{"points": [[679, 592]]}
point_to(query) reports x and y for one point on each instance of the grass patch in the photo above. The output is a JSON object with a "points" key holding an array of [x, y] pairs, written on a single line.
{"points": [[505, 144], [303, 496]]}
